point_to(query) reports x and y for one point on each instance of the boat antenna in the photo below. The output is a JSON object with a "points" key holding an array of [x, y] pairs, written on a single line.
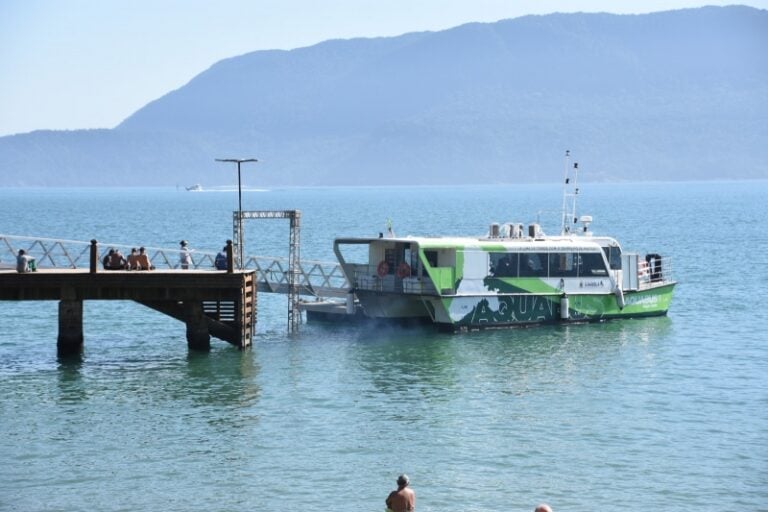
{"points": [[570, 190], [390, 233]]}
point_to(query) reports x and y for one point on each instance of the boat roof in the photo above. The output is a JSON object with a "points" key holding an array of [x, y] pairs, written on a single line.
{"points": [[572, 242]]}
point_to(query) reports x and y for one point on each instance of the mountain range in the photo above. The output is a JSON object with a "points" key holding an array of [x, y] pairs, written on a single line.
{"points": [[675, 95]]}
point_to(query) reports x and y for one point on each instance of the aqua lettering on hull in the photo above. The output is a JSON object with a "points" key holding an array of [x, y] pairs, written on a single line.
{"points": [[479, 312], [507, 310]]}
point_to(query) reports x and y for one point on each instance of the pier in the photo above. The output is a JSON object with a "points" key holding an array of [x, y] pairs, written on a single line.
{"points": [[211, 303]]}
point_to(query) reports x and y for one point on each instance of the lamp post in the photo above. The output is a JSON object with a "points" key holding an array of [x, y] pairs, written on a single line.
{"points": [[239, 161]]}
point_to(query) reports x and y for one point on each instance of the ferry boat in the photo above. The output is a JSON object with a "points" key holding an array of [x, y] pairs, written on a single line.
{"points": [[511, 277]]}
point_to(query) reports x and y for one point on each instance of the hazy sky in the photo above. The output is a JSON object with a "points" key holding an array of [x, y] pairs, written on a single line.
{"points": [[69, 64]]}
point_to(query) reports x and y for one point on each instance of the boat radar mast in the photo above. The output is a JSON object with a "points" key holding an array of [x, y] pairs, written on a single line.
{"points": [[570, 191]]}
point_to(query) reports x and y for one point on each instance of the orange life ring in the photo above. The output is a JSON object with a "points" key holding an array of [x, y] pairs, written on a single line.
{"points": [[383, 268], [403, 270]]}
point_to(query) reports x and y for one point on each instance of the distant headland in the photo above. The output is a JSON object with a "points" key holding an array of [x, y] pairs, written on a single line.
{"points": [[676, 95]]}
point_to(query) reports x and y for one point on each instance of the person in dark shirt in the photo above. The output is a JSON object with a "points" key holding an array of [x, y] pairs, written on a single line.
{"points": [[221, 260]]}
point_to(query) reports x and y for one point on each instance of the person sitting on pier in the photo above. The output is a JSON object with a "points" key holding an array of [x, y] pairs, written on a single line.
{"points": [[143, 260], [106, 260], [116, 260], [133, 259], [24, 262]]}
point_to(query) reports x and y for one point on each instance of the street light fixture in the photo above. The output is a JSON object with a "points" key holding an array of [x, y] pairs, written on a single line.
{"points": [[239, 161]]}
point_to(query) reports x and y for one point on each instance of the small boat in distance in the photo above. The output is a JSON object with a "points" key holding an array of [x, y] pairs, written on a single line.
{"points": [[510, 277], [195, 188]]}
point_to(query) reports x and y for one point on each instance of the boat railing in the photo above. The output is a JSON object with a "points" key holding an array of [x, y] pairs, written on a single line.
{"points": [[654, 271], [366, 277], [419, 286]]}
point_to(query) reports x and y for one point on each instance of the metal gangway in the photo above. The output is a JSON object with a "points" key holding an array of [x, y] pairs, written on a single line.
{"points": [[319, 279]]}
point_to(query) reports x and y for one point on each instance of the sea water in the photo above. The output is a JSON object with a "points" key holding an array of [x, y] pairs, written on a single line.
{"points": [[665, 413]]}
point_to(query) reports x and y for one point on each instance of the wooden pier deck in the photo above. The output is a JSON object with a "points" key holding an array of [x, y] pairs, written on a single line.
{"points": [[211, 303]]}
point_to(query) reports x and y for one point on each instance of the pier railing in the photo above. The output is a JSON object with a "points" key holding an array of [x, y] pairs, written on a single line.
{"points": [[316, 278]]}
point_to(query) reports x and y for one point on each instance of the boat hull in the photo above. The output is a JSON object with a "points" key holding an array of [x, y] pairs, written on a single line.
{"points": [[392, 305], [484, 311]]}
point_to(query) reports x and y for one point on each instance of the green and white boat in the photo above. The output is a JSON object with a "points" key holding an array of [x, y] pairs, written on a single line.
{"points": [[511, 277]]}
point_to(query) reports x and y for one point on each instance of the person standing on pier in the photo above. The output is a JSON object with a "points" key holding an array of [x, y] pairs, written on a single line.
{"points": [[221, 260], [185, 256], [402, 499]]}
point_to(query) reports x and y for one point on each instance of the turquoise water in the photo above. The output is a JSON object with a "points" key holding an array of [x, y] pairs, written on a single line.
{"points": [[665, 413]]}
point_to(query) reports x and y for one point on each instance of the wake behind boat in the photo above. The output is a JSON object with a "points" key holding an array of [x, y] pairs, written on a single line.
{"points": [[509, 277]]}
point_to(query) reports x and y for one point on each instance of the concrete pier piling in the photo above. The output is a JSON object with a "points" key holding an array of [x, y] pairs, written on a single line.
{"points": [[70, 340]]}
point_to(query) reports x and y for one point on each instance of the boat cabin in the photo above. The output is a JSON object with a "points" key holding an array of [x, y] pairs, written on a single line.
{"points": [[440, 265]]}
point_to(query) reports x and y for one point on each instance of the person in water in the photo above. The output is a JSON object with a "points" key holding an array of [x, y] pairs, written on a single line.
{"points": [[402, 499], [543, 508]]}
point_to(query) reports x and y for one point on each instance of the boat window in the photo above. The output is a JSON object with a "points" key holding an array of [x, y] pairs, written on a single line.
{"points": [[591, 265], [431, 257], [613, 255], [503, 264], [533, 264], [562, 264], [540, 264], [411, 257]]}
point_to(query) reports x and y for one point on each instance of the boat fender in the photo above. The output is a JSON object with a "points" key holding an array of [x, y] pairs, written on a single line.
{"points": [[403, 270], [619, 297], [383, 268], [565, 312]]}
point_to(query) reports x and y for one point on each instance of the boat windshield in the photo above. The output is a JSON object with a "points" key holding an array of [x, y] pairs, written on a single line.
{"points": [[613, 255]]}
